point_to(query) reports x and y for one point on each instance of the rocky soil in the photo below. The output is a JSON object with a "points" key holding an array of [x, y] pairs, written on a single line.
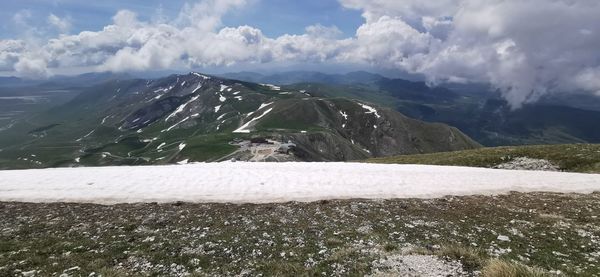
{"points": [[413, 265], [525, 163], [557, 232]]}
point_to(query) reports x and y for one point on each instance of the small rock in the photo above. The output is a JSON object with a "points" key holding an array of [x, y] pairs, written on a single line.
{"points": [[503, 238]]}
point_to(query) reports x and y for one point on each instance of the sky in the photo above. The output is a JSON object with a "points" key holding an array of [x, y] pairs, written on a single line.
{"points": [[524, 48], [274, 18]]}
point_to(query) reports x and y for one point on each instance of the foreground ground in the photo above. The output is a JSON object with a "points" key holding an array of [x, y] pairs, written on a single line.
{"points": [[556, 232]]}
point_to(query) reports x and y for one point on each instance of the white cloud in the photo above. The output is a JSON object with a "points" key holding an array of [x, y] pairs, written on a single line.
{"points": [[206, 15], [589, 79], [10, 51], [390, 42], [526, 48], [61, 24], [31, 66], [319, 30], [21, 18], [411, 11]]}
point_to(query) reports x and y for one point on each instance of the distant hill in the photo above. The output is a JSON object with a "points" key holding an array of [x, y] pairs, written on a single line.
{"points": [[294, 77], [475, 109], [116, 108], [16, 82], [82, 80]]}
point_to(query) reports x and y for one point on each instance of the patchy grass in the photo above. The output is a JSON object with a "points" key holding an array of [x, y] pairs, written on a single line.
{"points": [[471, 258], [569, 157], [544, 230], [500, 268], [476, 260]]}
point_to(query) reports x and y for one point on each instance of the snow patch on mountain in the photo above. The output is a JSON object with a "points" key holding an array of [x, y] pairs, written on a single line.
{"points": [[201, 76], [181, 107], [104, 119], [264, 105], [186, 161], [272, 87], [176, 124], [345, 115], [370, 110], [199, 86], [244, 128], [87, 135]]}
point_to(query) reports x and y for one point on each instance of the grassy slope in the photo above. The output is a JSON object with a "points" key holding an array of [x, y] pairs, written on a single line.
{"points": [[570, 157]]}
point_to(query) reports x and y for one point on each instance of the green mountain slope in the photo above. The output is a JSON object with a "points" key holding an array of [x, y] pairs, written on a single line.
{"points": [[194, 117]]}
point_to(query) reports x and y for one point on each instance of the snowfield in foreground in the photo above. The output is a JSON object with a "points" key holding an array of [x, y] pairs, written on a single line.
{"points": [[275, 182]]}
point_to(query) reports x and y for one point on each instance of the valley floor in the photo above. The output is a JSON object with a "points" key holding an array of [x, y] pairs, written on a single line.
{"points": [[241, 182], [453, 236]]}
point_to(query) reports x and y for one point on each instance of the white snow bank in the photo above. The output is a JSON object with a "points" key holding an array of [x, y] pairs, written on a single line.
{"points": [[275, 182]]}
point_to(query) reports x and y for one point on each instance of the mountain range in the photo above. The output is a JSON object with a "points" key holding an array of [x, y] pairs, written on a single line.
{"points": [[196, 117], [476, 109], [106, 118]]}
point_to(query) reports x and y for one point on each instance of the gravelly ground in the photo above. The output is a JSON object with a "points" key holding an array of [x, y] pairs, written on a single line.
{"points": [[524, 163], [557, 232]]}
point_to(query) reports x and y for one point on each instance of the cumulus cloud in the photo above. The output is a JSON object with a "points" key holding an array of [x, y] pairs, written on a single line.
{"points": [[411, 11], [526, 48], [206, 15], [195, 38], [61, 24], [10, 51], [589, 79]]}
